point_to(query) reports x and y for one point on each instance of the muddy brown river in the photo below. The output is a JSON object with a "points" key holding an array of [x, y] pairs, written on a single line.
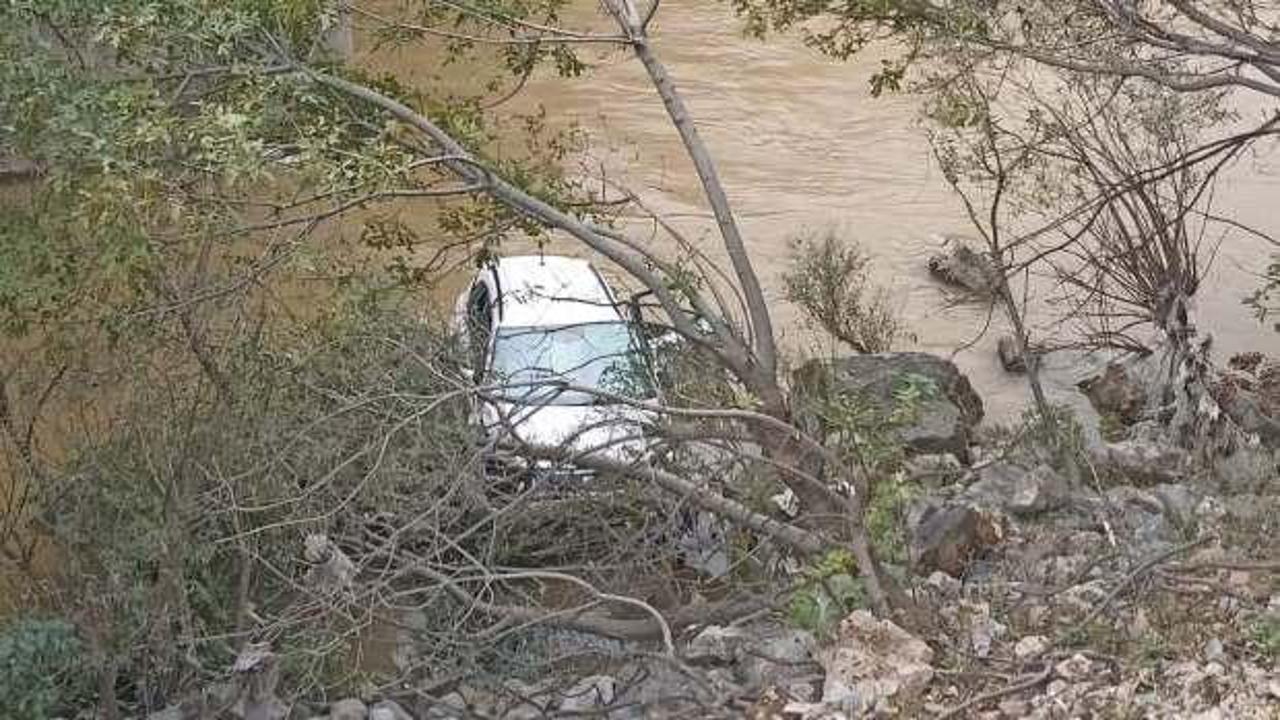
{"points": [[802, 146]]}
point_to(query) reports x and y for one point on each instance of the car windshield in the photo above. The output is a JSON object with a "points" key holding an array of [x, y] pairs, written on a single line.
{"points": [[602, 356]]}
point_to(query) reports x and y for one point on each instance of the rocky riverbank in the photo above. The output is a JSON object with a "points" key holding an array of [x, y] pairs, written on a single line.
{"points": [[1050, 577]]}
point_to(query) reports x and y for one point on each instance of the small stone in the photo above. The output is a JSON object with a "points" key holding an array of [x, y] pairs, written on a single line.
{"points": [[716, 644], [964, 267], [1074, 668], [1210, 508], [526, 700], [1014, 708], [388, 710], [947, 536], [348, 709], [1273, 688], [1030, 647], [1153, 461], [801, 710], [1117, 392], [776, 657], [331, 569], [983, 630], [1057, 687], [805, 692], [1018, 490], [1213, 650], [872, 662], [524, 712], [449, 707], [723, 680], [1178, 501], [589, 694], [933, 469], [943, 582], [1013, 360], [787, 502], [1213, 669], [1082, 598]]}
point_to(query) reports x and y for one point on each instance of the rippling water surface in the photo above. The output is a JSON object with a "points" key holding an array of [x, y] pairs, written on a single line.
{"points": [[801, 145]]}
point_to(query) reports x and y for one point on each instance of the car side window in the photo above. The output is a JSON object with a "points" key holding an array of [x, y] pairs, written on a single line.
{"points": [[480, 321]]}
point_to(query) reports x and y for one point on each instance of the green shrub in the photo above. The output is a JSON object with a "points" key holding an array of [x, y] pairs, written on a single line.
{"points": [[1265, 636], [42, 671], [830, 591], [829, 280], [1057, 440], [891, 497]]}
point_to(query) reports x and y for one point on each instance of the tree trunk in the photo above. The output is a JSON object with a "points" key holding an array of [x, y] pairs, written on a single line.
{"points": [[835, 514], [761, 325]]}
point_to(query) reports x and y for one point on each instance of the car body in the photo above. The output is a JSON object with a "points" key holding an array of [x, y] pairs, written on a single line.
{"points": [[536, 325]]}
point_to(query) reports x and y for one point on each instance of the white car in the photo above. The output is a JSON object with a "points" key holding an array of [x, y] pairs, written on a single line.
{"points": [[545, 333]]}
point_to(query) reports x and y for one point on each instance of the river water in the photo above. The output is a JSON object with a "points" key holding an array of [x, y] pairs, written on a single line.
{"points": [[802, 146]]}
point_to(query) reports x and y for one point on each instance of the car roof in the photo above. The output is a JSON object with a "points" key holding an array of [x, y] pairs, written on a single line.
{"points": [[547, 290]]}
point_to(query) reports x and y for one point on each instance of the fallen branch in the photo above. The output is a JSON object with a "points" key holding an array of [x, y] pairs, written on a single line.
{"points": [[987, 697], [796, 538], [583, 619], [1246, 565], [1138, 572]]}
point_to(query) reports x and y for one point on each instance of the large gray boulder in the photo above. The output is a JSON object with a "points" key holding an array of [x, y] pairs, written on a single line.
{"points": [[925, 399]]}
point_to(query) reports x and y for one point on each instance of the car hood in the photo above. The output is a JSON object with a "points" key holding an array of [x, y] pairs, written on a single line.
{"points": [[613, 431]]}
